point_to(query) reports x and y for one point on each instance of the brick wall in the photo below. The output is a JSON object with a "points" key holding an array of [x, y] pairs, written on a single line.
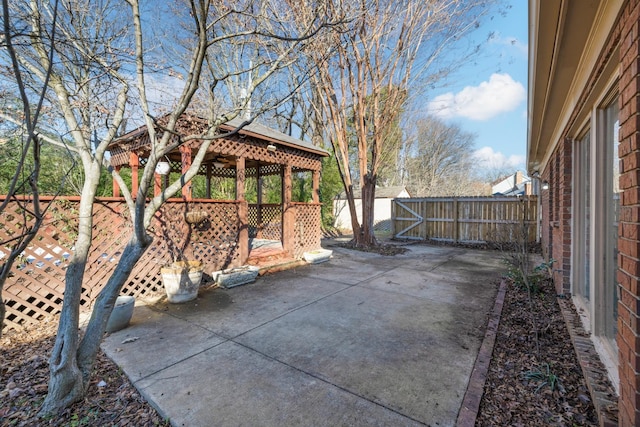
{"points": [[556, 215], [629, 233]]}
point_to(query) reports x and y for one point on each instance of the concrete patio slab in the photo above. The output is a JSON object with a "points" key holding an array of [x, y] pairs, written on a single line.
{"points": [[235, 386], [231, 312], [376, 344], [361, 340], [431, 285], [155, 340]]}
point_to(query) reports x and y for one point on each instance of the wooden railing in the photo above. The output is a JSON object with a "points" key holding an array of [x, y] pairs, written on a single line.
{"points": [[466, 219], [35, 287]]}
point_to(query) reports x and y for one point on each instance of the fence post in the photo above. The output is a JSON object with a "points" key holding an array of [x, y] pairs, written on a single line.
{"points": [[456, 232], [393, 218]]}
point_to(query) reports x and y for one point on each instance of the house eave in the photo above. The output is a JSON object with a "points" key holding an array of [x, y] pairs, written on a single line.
{"points": [[566, 38]]}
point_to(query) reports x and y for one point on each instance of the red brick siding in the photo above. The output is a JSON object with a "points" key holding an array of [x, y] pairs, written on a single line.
{"points": [[556, 211], [629, 238]]}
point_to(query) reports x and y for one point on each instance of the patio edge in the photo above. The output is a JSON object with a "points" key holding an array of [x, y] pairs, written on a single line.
{"points": [[475, 389]]}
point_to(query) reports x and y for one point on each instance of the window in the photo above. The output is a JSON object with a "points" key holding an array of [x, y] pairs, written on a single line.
{"points": [[611, 216], [581, 214], [596, 207]]}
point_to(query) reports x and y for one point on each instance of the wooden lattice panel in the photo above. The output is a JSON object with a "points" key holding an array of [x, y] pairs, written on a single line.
{"points": [[270, 169], [307, 231], [254, 149], [265, 221], [35, 286], [214, 240], [271, 227]]}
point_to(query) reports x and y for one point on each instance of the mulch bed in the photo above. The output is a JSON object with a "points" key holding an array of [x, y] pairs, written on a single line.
{"points": [[24, 372], [529, 384], [381, 248]]}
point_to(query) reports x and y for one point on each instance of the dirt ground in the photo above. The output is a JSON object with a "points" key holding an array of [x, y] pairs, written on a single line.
{"points": [[24, 373], [531, 384]]}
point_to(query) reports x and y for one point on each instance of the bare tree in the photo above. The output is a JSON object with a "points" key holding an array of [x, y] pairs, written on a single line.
{"points": [[367, 70], [24, 180], [438, 160], [99, 71]]}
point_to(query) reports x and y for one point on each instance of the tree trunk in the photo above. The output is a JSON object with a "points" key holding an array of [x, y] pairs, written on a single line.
{"points": [[69, 381], [104, 305], [66, 384], [355, 225], [366, 237]]}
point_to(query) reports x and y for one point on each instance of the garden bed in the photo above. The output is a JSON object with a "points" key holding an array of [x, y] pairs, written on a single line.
{"points": [[531, 384]]}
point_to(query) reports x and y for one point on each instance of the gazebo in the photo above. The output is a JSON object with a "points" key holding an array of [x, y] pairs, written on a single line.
{"points": [[215, 223]]}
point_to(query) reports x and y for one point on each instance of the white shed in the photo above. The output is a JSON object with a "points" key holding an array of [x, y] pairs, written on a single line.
{"points": [[382, 208]]}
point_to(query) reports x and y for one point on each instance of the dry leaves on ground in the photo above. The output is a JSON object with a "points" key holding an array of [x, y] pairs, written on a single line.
{"points": [[529, 388], [24, 372]]}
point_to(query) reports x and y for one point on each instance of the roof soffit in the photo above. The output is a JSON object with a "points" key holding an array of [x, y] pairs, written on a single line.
{"points": [[567, 38]]}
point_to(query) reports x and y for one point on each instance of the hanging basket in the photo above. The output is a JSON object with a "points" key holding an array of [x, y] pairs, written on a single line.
{"points": [[196, 217]]}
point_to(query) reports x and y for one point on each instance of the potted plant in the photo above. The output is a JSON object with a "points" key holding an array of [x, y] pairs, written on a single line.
{"points": [[181, 280], [121, 313], [182, 277]]}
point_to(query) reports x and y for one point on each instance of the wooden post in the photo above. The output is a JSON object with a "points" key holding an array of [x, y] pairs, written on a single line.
{"points": [[288, 214], [456, 223], [116, 188], [157, 184], [134, 162], [208, 182], [259, 224], [393, 218], [316, 187], [186, 164], [243, 209]]}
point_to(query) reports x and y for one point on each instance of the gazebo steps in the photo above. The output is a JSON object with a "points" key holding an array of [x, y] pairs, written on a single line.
{"points": [[266, 254], [278, 265], [269, 260]]}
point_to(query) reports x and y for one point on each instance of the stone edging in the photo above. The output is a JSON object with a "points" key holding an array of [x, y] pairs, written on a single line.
{"points": [[602, 392], [475, 389]]}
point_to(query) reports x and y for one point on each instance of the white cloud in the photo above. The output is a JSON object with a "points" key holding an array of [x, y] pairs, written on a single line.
{"points": [[487, 158], [500, 94]]}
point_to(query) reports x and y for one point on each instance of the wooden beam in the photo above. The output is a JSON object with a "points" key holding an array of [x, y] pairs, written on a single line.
{"points": [[157, 184], [116, 187], [316, 187], [243, 211], [134, 162], [259, 182], [186, 164], [288, 214]]}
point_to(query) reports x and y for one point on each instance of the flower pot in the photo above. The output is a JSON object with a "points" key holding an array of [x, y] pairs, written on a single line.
{"points": [[181, 280], [317, 256], [121, 313], [196, 217], [235, 276]]}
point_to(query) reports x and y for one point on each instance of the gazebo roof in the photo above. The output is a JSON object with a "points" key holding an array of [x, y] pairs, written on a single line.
{"points": [[137, 140], [266, 133]]}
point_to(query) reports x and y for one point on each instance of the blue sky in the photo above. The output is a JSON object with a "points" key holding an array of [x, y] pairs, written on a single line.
{"points": [[489, 96], [486, 97]]}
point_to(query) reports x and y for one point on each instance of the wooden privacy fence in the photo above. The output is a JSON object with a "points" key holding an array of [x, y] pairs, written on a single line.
{"points": [[466, 219], [35, 286]]}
